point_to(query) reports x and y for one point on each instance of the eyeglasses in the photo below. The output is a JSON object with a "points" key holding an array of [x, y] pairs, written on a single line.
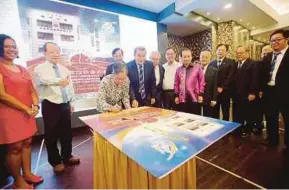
{"points": [[276, 40]]}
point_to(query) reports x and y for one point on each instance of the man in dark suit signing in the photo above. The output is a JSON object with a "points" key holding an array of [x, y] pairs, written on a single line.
{"points": [[275, 87], [211, 79], [159, 74], [245, 90], [117, 55], [142, 79], [226, 73]]}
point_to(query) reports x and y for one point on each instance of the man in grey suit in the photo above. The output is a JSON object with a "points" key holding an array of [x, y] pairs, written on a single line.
{"points": [[211, 79]]}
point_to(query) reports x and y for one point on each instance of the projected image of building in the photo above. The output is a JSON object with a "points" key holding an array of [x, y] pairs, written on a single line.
{"points": [[47, 26]]}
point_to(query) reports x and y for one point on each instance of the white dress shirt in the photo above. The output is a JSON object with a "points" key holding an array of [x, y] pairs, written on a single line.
{"points": [[49, 84], [169, 77], [205, 68], [277, 65], [157, 74]]}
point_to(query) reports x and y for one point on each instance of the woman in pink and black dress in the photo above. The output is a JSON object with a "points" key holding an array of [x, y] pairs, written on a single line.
{"points": [[18, 108]]}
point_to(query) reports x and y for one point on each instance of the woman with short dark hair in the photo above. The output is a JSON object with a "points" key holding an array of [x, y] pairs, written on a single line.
{"points": [[18, 108]]}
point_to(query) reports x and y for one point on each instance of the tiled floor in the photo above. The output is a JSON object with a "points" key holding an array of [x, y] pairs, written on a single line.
{"points": [[266, 167]]}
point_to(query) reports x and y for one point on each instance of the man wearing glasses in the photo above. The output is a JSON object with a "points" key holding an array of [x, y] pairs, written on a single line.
{"points": [[275, 87]]}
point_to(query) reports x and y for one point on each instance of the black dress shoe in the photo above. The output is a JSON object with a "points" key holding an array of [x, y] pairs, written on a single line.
{"points": [[245, 135]]}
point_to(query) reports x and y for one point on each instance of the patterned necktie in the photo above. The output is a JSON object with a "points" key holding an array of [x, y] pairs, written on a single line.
{"points": [[141, 82], [273, 63], [63, 89]]}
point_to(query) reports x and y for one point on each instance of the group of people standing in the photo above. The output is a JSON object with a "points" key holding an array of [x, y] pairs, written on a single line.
{"points": [[255, 88], [20, 103], [250, 88]]}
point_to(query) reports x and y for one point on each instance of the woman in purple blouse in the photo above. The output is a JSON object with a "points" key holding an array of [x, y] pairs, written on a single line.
{"points": [[189, 85]]}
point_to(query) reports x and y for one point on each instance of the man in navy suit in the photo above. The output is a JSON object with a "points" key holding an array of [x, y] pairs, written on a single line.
{"points": [[142, 79], [159, 74]]}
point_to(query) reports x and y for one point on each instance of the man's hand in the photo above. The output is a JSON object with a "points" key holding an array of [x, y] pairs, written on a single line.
{"points": [[64, 82], [153, 101], [134, 104], [213, 103], [72, 108], [251, 97], [177, 100], [115, 108], [200, 99], [220, 90]]}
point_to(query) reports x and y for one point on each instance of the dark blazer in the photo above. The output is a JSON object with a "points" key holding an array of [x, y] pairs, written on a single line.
{"points": [[109, 69], [211, 79], [282, 77], [247, 77], [225, 73], [162, 74], [149, 80]]}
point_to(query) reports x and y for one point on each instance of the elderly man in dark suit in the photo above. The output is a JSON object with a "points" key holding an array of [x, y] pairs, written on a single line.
{"points": [[211, 79], [141, 74], [245, 90], [275, 87], [226, 73], [159, 74]]}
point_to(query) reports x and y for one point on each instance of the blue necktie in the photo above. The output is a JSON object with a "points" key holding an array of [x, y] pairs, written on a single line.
{"points": [[273, 63], [63, 90], [141, 82]]}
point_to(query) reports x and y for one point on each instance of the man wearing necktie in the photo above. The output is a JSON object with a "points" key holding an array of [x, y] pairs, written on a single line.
{"points": [[275, 87], [210, 92], [57, 95], [226, 69], [142, 79], [245, 90]]}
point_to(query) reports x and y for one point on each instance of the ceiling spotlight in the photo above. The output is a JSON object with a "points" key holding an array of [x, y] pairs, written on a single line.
{"points": [[228, 6], [208, 14]]}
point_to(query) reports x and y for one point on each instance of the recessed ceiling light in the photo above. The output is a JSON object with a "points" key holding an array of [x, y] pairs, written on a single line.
{"points": [[228, 6], [208, 13]]}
